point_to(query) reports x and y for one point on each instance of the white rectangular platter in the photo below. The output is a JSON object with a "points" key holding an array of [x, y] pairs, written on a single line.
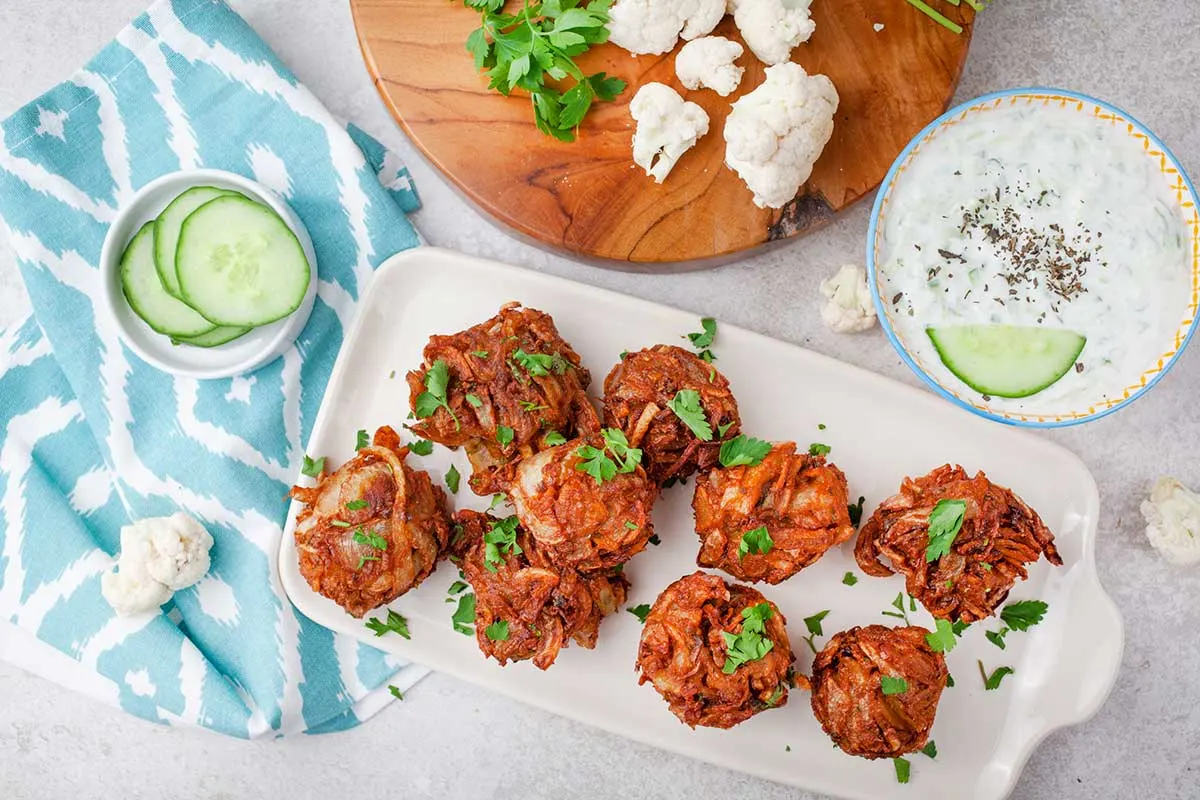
{"points": [[880, 431]]}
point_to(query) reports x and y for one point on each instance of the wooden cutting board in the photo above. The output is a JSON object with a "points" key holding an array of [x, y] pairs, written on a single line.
{"points": [[588, 198]]}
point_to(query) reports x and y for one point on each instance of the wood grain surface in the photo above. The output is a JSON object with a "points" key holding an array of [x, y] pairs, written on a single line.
{"points": [[588, 197]]}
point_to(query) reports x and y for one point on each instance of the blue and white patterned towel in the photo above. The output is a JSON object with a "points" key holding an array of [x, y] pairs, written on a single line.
{"points": [[91, 436]]}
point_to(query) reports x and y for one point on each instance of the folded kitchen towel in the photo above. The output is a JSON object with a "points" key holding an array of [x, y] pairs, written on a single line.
{"points": [[92, 437]]}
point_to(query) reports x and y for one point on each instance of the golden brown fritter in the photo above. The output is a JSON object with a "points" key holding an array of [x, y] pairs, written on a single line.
{"points": [[512, 381], [800, 500], [373, 529], [847, 690], [637, 397], [583, 522], [686, 644], [999, 536], [532, 607]]}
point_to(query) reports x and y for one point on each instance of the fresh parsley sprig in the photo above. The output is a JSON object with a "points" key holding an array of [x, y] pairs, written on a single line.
{"points": [[686, 405], [751, 644], [500, 540], [744, 451], [757, 541], [813, 624], [603, 464], [437, 380], [945, 521], [703, 340], [522, 50], [640, 611], [394, 624]]}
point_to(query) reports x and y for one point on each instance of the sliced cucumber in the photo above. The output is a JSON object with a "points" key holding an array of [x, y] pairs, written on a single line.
{"points": [[239, 264], [214, 338], [146, 295], [166, 231], [1006, 360]]}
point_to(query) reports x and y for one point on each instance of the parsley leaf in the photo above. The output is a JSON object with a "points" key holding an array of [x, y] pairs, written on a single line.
{"points": [[362, 441], [705, 338], [949, 681], [945, 521], [856, 511], [641, 612], [396, 693], [480, 353], [992, 682], [654, 540], [813, 623], [497, 631], [452, 479], [942, 640], [313, 468], [849, 579], [504, 435], [421, 447], [631, 525], [959, 627], [553, 439], [474, 401], [370, 540], [464, 614], [775, 695], [750, 644], [437, 380], [598, 463], [499, 540], [903, 768], [997, 637], [892, 685], [724, 427], [531, 406], [686, 405], [540, 365], [1024, 615], [356, 505], [930, 749], [458, 587], [757, 541], [818, 449], [743, 450], [394, 624], [498, 499]]}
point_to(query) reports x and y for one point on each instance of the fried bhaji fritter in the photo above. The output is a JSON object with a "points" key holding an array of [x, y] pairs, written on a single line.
{"points": [[637, 397], [685, 647], [847, 690], [512, 381], [999, 536], [373, 529], [798, 498], [581, 522], [543, 605]]}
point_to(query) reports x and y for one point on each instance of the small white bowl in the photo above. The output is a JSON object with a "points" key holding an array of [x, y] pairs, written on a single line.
{"points": [[258, 347]]}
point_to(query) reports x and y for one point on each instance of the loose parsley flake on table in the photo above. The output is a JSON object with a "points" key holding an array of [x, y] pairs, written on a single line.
{"points": [[899, 613], [750, 644], [452, 479], [818, 449], [743, 451], [856, 511], [813, 624], [992, 682], [313, 467], [930, 749], [892, 685], [903, 768], [394, 624], [849, 579], [686, 405], [437, 380], [396, 693], [945, 521], [704, 339], [640, 611], [464, 614], [997, 637], [757, 541], [421, 447], [1023, 615], [362, 440]]}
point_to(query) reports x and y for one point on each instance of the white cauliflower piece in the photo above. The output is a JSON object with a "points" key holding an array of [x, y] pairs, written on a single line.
{"points": [[850, 308], [1173, 521], [654, 26], [159, 556], [775, 134], [773, 28], [707, 63], [667, 127]]}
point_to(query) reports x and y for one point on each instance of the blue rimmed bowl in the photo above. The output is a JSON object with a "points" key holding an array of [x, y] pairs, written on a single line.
{"points": [[1142, 377]]}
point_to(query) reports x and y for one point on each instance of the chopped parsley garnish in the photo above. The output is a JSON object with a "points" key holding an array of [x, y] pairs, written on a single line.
{"points": [[362, 440], [750, 644], [899, 613], [437, 380], [704, 339], [686, 405], [339, 523], [930, 749], [394, 624], [903, 768], [498, 499], [553, 439], [757, 541], [997, 637], [813, 624], [1024, 615], [500, 540], [356, 505], [531, 406], [597, 462], [856, 511], [421, 447], [474, 401], [313, 468], [504, 435], [370, 540], [820, 426], [949, 681], [959, 626], [775, 695], [724, 427], [818, 449], [942, 640], [945, 521], [849, 579], [891, 685], [654, 540], [396, 693], [743, 451], [540, 364], [631, 525], [992, 682], [640, 612], [464, 614], [497, 631], [458, 587], [480, 353], [452, 479]]}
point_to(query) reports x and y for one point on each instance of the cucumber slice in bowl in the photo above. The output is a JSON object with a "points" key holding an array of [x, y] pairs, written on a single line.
{"points": [[213, 338], [1007, 360], [166, 231], [239, 264], [146, 295]]}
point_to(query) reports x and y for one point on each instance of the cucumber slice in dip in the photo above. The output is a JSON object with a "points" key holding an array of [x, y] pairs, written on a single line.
{"points": [[1007, 360]]}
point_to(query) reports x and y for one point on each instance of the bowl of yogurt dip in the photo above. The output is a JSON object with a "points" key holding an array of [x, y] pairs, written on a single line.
{"points": [[1034, 256]]}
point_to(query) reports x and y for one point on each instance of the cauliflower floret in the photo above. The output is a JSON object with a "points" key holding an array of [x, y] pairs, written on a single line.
{"points": [[773, 28], [708, 62], [667, 127], [775, 134], [1173, 521], [850, 308], [159, 556], [654, 26]]}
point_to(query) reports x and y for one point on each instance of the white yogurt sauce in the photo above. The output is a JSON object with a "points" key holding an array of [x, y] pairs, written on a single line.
{"points": [[1073, 211]]}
